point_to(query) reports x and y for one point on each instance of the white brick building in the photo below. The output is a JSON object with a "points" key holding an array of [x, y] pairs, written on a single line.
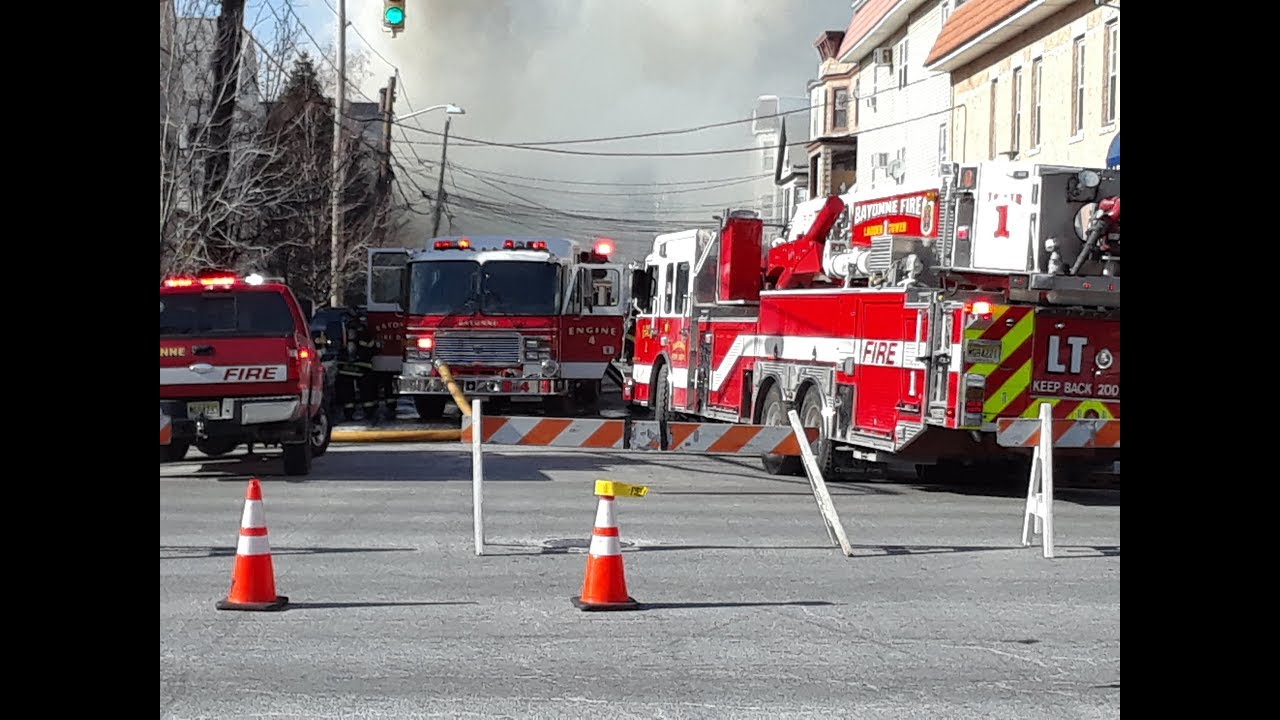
{"points": [[900, 109]]}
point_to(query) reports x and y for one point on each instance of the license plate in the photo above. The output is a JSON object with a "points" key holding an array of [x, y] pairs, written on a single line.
{"points": [[982, 351], [211, 409]]}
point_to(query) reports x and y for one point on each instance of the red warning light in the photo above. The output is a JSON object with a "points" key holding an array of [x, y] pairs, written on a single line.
{"points": [[464, 243], [604, 246]]}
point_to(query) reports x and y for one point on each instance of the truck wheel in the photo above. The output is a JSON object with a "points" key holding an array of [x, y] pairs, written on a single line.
{"points": [[811, 416], [773, 414], [588, 393], [661, 401], [321, 433], [556, 406], [174, 451], [297, 456], [429, 407], [216, 447]]}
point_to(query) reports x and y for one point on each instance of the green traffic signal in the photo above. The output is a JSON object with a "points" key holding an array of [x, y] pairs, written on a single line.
{"points": [[394, 15]]}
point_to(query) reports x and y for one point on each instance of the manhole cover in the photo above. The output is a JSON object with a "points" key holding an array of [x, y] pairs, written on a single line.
{"points": [[567, 545]]}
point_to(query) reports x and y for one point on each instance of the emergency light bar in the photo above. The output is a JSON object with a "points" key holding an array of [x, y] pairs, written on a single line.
{"points": [[604, 246], [209, 280], [529, 245], [465, 244]]}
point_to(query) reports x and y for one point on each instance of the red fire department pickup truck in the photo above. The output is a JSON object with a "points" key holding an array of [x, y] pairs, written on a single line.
{"points": [[237, 365]]}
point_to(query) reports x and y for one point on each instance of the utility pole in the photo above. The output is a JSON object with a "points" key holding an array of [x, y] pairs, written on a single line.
{"points": [[339, 181], [388, 102], [444, 149], [226, 89]]}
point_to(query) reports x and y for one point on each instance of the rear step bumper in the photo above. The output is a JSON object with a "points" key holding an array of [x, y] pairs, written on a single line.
{"points": [[264, 419]]}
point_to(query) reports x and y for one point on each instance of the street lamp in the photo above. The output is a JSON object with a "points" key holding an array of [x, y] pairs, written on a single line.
{"points": [[451, 110], [448, 108]]}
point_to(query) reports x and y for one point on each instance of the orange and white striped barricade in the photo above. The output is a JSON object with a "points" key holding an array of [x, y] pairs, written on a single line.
{"points": [[625, 435], [166, 429]]}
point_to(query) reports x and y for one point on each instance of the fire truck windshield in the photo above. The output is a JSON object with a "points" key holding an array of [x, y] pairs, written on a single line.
{"points": [[502, 287]]}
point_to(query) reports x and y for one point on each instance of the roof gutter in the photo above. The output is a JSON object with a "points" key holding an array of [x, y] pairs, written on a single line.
{"points": [[1006, 29]]}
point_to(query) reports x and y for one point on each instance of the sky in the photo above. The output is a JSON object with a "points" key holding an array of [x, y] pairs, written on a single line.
{"points": [[543, 70]]}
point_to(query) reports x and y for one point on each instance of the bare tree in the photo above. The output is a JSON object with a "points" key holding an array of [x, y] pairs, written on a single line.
{"points": [[274, 202]]}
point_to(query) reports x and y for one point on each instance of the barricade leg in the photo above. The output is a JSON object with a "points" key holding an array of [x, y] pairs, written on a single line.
{"points": [[1037, 518], [477, 474], [825, 504]]}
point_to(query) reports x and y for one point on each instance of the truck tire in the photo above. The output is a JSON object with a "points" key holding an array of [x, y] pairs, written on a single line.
{"points": [[321, 433], [174, 451], [773, 413], [297, 456], [430, 407], [217, 446], [556, 406], [811, 416], [661, 401]]}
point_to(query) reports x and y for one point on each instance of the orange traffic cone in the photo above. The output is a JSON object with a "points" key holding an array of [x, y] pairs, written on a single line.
{"points": [[605, 587], [253, 581]]}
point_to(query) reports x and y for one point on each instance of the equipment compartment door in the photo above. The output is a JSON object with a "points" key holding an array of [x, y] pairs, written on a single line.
{"points": [[595, 310], [386, 290]]}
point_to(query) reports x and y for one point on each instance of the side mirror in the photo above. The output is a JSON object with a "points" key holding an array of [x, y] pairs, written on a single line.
{"points": [[404, 289], [582, 290], [641, 288]]}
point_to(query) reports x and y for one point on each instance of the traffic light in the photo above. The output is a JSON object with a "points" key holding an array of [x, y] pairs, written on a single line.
{"points": [[393, 15]]}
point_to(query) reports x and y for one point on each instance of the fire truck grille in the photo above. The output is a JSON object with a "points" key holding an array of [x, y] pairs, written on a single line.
{"points": [[503, 349]]}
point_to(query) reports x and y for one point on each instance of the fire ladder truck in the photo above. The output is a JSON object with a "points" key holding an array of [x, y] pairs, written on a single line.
{"points": [[908, 328], [511, 317]]}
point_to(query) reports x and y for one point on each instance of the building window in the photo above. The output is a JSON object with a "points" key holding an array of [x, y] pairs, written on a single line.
{"points": [[1077, 86], [840, 114], [902, 63], [1037, 89], [946, 10], [943, 148], [991, 122], [1015, 132], [857, 94], [1111, 54], [767, 161]]}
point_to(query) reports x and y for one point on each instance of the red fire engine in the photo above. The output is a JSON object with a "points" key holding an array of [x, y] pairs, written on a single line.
{"points": [[511, 317], [903, 326]]}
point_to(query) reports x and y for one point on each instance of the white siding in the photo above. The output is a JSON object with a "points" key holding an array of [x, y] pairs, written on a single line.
{"points": [[903, 122]]}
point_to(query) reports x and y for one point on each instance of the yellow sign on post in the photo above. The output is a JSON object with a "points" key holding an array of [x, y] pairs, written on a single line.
{"points": [[617, 489]]}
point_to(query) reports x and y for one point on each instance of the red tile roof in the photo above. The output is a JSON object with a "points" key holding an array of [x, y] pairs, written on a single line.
{"points": [[971, 20], [863, 21]]}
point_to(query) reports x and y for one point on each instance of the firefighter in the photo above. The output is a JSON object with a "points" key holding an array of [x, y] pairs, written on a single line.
{"points": [[353, 369], [368, 382]]}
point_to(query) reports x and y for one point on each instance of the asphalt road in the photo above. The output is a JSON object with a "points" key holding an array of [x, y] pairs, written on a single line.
{"points": [[749, 612]]}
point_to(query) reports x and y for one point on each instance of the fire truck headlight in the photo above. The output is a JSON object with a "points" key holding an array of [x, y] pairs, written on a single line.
{"points": [[550, 367]]}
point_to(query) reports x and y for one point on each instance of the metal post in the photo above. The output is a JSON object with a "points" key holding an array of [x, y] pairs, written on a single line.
{"points": [[444, 148], [477, 475], [335, 283]]}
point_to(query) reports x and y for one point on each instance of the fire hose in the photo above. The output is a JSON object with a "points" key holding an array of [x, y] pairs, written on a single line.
{"points": [[463, 404]]}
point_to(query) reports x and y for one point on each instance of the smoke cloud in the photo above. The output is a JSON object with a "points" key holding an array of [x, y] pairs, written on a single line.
{"points": [[536, 70]]}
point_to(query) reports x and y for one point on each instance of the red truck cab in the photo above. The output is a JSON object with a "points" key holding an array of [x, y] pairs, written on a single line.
{"points": [[238, 365]]}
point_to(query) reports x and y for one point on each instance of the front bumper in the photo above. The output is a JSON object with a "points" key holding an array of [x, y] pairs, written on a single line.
{"points": [[277, 418], [484, 386]]}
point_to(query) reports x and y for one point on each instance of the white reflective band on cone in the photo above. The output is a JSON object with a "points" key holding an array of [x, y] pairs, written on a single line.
{"points": [[253, 545], [604, 514], [605, 545], [254, 516]]}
